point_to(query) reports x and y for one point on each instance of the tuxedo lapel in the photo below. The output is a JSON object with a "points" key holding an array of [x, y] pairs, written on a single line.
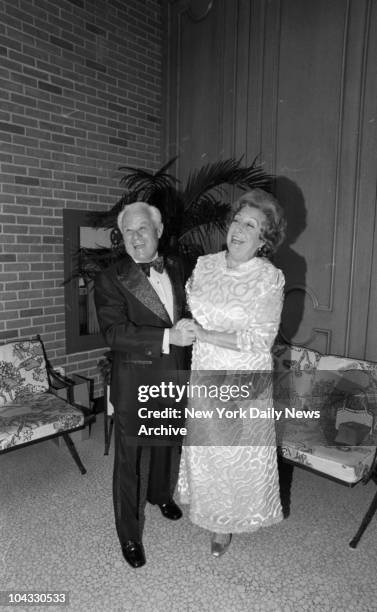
{"points": [[136, 282], [176, 284]]}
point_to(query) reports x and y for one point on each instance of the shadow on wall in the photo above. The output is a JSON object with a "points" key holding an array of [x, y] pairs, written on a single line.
{"points": [[292, 263], [294, 267]]}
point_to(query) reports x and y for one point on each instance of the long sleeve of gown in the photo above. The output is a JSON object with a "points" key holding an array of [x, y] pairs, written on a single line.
{"points": [[261, 332]]}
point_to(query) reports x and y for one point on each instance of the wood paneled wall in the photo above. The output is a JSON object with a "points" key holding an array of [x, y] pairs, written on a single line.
{"points": [[295, 82]]}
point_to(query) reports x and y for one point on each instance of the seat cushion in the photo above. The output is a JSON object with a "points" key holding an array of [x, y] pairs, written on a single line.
{"points": [[303, 442], [36, 415]]}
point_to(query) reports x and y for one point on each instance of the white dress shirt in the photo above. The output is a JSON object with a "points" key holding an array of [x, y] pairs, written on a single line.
{"points": [[162, 286]]}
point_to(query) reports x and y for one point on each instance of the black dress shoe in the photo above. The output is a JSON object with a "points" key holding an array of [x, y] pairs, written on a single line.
{"points": [[170, 510], [134, 554]]}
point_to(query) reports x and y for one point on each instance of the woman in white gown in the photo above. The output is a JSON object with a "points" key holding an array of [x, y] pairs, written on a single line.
{"points": [[235, 297]]}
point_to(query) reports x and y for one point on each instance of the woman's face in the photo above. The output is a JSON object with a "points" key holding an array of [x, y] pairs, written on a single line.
{"points": [[243, 237]]}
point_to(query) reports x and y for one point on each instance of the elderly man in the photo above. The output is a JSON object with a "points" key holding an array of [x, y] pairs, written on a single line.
{"points": [[139, 301]]}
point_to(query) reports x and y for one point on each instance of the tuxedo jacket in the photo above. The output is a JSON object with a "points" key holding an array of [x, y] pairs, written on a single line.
{"points": [[132, 319]]}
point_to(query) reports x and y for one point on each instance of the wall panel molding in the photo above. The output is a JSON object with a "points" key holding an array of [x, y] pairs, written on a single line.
{"points": [[198, 10], [200, 86], [295, 83]]}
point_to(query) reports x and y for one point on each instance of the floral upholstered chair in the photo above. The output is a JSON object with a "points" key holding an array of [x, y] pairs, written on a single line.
{"points": [[29, 411], [330, 425]]}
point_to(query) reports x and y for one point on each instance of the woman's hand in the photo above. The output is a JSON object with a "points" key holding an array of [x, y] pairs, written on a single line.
{"points": [[200, 332], [192, 326], [187, 324]]}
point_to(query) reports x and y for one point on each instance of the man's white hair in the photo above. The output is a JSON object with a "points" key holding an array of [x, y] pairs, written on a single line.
{"points": [[152, 211]]}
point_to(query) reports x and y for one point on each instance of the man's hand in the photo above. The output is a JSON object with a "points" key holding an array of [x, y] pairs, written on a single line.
{"points": [[181, 335]]}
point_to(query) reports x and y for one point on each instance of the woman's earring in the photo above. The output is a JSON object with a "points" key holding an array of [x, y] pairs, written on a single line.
{"points": [[261, 252]]}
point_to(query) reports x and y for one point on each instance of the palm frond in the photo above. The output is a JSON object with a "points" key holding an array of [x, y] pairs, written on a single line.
{"points": [[168, 165], [145, 181], [92, 261], [191, 250], [88, 261], [224, 172], [207, 212], [198, 239]]}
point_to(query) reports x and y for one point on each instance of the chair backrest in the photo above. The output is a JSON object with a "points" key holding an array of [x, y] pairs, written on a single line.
{"points": [[349, 387], [294, 371], [22, 368]]}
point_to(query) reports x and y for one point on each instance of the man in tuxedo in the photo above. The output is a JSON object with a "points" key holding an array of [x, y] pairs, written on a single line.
{"points": [[139, 301]]}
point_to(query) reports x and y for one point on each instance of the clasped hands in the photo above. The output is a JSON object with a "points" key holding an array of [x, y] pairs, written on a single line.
{"points": [[185, 332]]}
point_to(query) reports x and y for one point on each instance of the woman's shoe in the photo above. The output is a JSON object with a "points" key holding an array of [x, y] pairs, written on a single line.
{"points": [[220, 543]]}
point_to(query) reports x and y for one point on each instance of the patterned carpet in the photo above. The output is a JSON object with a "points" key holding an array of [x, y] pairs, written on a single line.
{"points": [[57, 533]]}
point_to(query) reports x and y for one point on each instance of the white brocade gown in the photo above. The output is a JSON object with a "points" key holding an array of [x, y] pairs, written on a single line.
{"points": [[233, 488]]}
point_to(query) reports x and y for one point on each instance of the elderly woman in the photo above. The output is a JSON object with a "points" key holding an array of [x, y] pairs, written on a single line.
{"points": [[229, 476]]}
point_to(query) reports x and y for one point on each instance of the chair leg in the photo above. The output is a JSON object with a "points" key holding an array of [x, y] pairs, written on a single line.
{"points": [[285, 471], [111, 429], [365, 522], [108, 432], [73, 451]]}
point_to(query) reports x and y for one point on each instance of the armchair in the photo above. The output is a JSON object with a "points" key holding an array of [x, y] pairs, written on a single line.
{"points": [[30, 411]]}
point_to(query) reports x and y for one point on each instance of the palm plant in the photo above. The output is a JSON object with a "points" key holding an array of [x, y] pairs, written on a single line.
{"points": [[190, 213]]}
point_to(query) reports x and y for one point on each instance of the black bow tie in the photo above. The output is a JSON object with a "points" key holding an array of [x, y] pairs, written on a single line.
{"points": [[157, 264]]}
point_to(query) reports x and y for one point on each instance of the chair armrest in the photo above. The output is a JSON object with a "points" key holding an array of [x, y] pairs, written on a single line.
{"points": [[90, 416], [58, 382], [63, 381]]}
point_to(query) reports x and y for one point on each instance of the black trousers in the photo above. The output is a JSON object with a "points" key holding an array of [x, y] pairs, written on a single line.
{"points": [[141, 474]]}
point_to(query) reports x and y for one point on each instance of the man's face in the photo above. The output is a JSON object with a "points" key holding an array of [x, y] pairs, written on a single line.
{"points": [[140, 235]]}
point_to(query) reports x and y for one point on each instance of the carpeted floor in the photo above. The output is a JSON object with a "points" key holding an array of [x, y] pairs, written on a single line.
{"points": [[57, 533]]}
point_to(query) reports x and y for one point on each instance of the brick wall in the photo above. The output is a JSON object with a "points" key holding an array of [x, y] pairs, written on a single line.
{"points": [[80, 95]]}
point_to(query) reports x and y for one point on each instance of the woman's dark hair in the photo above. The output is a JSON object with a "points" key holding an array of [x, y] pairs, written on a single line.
{"points": [[273, 231]]}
